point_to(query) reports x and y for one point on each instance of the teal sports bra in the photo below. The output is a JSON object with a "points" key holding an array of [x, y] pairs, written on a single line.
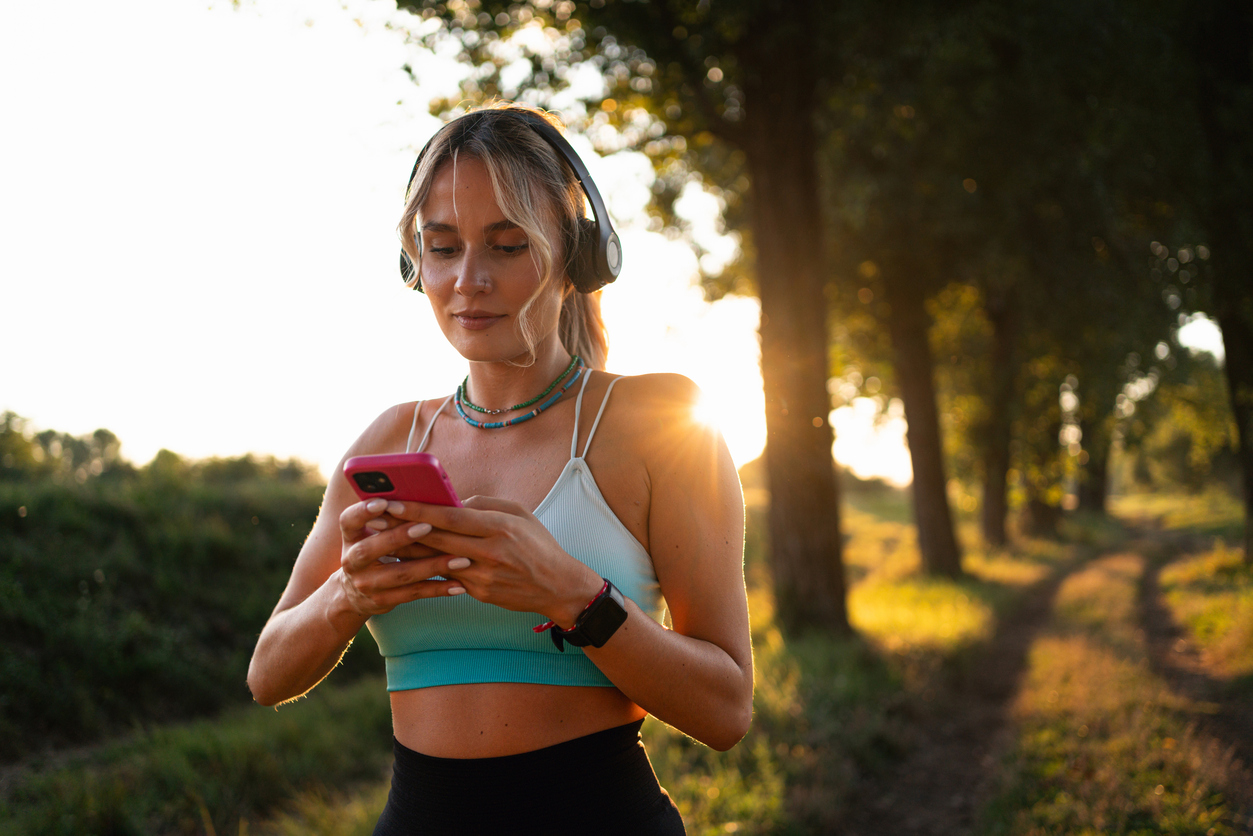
{"points": [[456, 640]]}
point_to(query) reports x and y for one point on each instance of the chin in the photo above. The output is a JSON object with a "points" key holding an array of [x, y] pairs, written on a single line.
{"points": [[481, 353]]}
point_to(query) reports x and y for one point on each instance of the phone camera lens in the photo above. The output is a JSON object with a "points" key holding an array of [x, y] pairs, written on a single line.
{"points": [[373, 481]]}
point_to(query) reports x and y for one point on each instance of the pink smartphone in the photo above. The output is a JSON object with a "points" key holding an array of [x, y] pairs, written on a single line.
{"points": [[408, 477]]}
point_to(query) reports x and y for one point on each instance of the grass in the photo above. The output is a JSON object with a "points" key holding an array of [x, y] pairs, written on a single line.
{"points": [[1214, 512], [1211, 596], [1102, 745], [827, 712], [208, 776], [1098, 734]]}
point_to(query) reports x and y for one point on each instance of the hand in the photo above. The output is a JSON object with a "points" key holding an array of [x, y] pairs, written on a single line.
{"points": [[505, 556], [373, 587]]}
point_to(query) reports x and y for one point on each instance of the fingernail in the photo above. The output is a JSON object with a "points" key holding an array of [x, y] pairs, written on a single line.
{"points": [[456, 590], [376, 505], [376, 525], [419, 529], [459, 563], [395, 508]]}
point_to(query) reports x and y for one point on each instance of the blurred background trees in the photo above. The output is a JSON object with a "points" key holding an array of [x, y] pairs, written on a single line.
{"points": [[129, 594], [1001, 216]]}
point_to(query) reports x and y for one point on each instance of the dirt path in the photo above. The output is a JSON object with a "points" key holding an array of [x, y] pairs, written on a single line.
{"points": [[949, 774], [1178, 662], [945, 779]]}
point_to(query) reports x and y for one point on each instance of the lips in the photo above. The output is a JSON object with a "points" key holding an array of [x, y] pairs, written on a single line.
{"points": [[477, 320]]}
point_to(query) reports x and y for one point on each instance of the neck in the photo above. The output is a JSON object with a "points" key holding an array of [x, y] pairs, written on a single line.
{"points": [[497, 385]]}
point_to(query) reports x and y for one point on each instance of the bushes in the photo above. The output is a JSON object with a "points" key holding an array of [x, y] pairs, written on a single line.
{"points": [[136, 600]]}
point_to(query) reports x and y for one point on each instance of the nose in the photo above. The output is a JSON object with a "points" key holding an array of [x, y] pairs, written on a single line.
{"points": [[473, 276]]}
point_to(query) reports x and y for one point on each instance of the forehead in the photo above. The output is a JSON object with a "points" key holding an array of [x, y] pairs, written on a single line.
{"points": [[461, 185]]}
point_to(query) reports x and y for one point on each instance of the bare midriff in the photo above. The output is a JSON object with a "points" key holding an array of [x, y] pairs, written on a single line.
{"points": [[488, 720]]}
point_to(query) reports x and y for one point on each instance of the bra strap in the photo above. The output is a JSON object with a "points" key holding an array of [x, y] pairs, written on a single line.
{"points": [[430, 426], [603, 403], [413, 427], [578, 409]]}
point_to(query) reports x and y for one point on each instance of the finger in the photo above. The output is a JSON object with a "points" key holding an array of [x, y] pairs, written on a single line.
{"points": [[354, 518], [379, 581], [409, 572], [416, 551], [392, 598], [384, 522], [368, 550], [495, 503], [471, 521], [461, 545]]}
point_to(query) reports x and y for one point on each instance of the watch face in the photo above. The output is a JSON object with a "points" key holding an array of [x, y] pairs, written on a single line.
{"points": [[603, 619]]}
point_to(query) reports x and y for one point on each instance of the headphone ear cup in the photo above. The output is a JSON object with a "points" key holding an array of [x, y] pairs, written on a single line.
{"points": [[407, 271], [406, 265], [581, 266]]}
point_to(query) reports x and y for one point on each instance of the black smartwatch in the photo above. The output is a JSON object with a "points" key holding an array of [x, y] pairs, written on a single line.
{"points": [[600, 620]]}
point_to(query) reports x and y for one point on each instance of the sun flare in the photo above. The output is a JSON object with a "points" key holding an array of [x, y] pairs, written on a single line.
{"points": [[707, 412]]}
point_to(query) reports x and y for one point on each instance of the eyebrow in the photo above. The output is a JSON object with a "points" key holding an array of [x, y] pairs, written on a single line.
{"points": [[499, 226]]}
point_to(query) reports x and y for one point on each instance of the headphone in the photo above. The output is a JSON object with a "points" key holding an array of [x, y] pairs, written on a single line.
{"points": [[597, 258]]}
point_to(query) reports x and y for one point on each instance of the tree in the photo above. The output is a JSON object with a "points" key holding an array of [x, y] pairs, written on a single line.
{"points": [[740, 83], [968, 146], [1221, 47]]}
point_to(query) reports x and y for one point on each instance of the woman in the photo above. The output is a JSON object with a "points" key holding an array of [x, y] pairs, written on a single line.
{"points": [[500, 725]]}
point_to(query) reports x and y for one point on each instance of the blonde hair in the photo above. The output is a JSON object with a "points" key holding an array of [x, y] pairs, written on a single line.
{"points": [[536, 190]]}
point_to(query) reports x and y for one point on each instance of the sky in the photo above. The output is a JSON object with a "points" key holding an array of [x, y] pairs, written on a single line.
{"points": [[197, 213], [197, 218]]}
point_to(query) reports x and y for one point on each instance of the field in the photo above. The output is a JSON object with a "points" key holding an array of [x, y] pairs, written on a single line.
{"points": [[1053, 689]]}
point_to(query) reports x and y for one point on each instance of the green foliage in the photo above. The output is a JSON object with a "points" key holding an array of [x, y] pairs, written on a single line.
{"points": [[1182, 435], [207, 776], [961, 342], [673, 88], [828, 715], [56, 456], [1213, 513], [1211, 595], [136, 595]]}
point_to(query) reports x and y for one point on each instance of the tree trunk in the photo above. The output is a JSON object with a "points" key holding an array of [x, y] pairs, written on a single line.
{"points": [[1225, 89], [1039, 519], [1238, 346], [1097, 399], [1001, 307], [805, 540], [908, 324], [1094, 478]]}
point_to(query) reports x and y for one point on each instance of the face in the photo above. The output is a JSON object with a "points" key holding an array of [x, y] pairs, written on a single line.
{"points": [[478, 268]]}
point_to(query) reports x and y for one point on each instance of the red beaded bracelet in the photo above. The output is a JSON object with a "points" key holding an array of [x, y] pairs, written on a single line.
{"points": [[548, 625]]}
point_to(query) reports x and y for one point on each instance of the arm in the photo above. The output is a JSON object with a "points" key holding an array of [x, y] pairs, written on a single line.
{"points": [[696, 677], [336, 584]]}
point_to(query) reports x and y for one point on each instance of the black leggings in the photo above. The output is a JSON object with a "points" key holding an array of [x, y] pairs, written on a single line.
{"points": [[598, 784]]}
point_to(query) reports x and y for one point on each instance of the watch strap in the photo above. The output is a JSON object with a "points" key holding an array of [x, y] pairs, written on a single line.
{"points": [[599, 620]]}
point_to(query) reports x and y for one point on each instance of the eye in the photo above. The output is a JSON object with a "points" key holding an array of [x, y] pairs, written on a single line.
{"points": [[512, 249]]}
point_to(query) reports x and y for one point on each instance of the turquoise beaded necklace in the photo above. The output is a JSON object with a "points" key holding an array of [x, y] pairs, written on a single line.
{"points": [[465, 398], [526, 416]]}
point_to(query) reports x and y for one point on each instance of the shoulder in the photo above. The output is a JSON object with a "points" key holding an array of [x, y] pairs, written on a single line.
{"points": [[388, 432], [667, 395], [658, 415]]}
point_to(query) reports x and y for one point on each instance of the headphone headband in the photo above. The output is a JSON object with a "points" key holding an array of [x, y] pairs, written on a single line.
{"points": [[605, 261]]}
